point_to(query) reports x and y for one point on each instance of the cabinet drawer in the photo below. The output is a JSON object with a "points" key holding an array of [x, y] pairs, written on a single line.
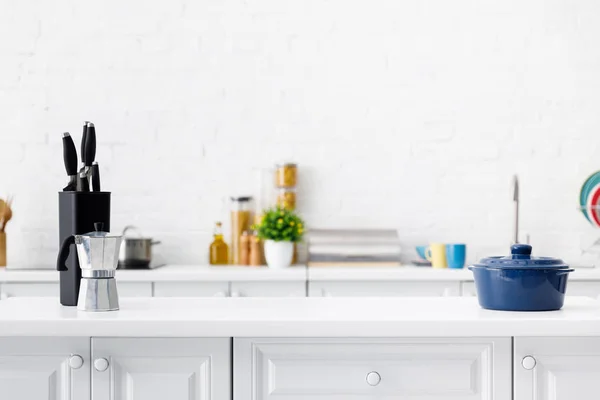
{"points": [[268, 289], [191, 289], [383, 289], [29, 289], [327, 369]]}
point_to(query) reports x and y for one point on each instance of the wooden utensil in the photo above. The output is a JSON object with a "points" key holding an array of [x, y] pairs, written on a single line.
{"points": [[2, 249], [6, 213]]}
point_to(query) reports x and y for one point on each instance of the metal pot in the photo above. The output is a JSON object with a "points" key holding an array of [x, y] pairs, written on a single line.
{"points": [[521, 282], [136, 251]]}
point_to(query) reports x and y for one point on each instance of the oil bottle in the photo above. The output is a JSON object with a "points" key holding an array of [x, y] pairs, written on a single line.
{"points": [[219, 251]]}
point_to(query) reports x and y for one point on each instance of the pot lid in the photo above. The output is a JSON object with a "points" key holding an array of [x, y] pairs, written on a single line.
{"points": [[99, 232], [520, 257]]}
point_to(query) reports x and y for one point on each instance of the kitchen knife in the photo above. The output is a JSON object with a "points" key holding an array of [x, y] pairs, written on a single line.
{"points": [[83, 139], [95, 177], [90, 146], [70, 159], [81, 185]]}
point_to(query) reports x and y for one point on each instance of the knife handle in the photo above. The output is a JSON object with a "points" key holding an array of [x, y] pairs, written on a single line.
{"points": [[83, 139], [95, 177], [90, 145], [69, 154], [83, 185]]}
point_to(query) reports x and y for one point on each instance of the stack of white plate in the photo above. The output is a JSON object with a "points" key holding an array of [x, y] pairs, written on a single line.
{"points": [[377, 247]]}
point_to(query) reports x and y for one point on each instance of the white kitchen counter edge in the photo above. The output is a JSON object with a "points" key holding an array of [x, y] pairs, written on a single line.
{"points": [[296, 317], [182, 273], [173, 273]]}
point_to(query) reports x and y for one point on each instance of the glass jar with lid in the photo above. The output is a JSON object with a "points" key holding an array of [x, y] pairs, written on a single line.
{"points": [[286, 175], [241, 217]]}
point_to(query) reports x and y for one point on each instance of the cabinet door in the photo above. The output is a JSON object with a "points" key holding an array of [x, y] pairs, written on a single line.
{"points": [[549, 368], [372, 369], [587, 288], [191, 289], [161, 369], [134, 289], [44, 368], [268, 289], [468, 289], [383, 288], [29, 289]]}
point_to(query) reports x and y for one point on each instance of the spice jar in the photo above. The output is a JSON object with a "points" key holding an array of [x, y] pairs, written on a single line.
{"points": [[286, 175], [245, 249], [240, 222], [255, 251], [286, 199]]}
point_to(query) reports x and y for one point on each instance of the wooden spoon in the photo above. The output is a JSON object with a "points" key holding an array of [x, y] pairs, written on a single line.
{"points": [[7, 213], [2, 209]]}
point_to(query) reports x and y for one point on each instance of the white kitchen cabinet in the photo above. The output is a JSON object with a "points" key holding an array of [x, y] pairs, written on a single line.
{"points": [[160, 369], [134, 289], [548, 368], [383, 288], [468, 289], [363, 369], [583, 288], [574, 288], [268, 289], [191, 289], [44, 368], [29, 289]]}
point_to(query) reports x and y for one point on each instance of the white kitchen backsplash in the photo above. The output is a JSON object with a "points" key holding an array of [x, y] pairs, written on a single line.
{"points": [[405, 114]]}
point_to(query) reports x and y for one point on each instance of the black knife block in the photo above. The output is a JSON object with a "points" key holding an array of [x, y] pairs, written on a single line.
{"points": [[77, 213]]}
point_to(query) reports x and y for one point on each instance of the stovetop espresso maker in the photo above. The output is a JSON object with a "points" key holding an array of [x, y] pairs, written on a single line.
{"points": [[98, 255]]}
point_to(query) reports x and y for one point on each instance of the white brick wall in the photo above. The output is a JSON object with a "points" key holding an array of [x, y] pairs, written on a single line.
{"points": [[406, 114]]}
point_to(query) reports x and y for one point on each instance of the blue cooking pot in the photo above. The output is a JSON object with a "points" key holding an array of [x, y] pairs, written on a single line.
{"points": [[520, 282]]}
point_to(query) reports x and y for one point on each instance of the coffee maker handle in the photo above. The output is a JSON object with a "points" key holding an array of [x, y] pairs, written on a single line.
{"points": [[63, 254]]}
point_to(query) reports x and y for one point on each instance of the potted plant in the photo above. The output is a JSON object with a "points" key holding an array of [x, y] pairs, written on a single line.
{"points": [[280, 229]]}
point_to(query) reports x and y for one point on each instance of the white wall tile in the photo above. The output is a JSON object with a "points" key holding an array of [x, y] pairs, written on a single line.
{"points": [[411, 115]]}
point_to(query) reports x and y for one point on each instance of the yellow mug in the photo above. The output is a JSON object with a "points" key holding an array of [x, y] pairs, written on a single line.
{"points": [[436, 253]]}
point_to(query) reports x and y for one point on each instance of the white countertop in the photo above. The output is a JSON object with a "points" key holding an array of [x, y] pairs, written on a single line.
{"points": [[180, 273], [295, 317]]}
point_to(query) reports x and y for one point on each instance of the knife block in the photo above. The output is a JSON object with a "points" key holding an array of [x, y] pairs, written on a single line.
{"points": [[77, 213]]}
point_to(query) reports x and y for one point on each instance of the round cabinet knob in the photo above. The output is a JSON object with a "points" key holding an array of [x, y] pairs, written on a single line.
{"points": [[528, 362], [75, 361], [101, 364], [373, 378]]}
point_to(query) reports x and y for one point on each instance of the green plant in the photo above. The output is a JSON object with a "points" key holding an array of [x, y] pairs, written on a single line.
{"points": [[280, 225]]}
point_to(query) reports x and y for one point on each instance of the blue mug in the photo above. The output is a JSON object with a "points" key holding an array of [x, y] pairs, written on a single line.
{"points": [[421, 252], [456, 255]]}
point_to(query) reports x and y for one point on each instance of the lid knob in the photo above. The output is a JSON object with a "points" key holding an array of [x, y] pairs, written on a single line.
{"points": [[522, 251], [99, 226]]}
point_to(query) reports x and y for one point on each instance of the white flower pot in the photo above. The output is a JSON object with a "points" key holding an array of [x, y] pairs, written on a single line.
{"points": [[279, 254]]}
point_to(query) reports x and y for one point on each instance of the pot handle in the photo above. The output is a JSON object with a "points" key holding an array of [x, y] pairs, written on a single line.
{"points": [[63, 254], [470, 267], [564, 271], [155, 242], [132, 228]]}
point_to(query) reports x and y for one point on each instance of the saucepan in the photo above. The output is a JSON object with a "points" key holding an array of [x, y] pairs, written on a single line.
{"points": [[136, 251], [521, 282]]}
